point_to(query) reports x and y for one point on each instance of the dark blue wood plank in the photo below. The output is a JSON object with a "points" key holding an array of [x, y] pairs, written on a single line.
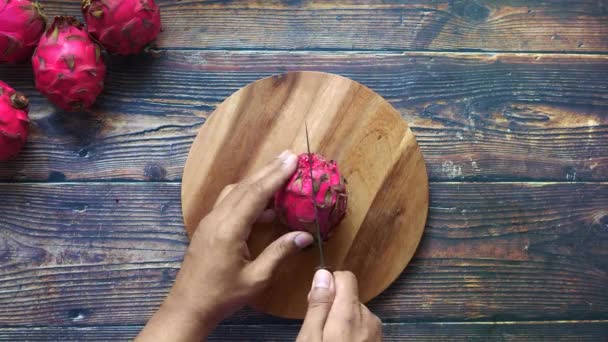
{"points": [[575, 331], [107, 253], [455, 25], [477, 117]]}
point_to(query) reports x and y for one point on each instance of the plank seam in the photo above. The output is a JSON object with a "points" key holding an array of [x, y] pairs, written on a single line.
{"points": [[179, 182], [556, 322], [340, 50]]}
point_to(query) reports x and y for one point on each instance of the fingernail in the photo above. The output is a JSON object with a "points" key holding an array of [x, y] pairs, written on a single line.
{"points": [[303, 240], [322, 279], [283, 155], [289, 160]]}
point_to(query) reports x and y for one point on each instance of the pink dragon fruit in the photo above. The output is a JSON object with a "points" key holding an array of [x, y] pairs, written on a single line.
{"points": [[68, 66], [294, 203], [122, 26], [21, 25], [13, 121]]}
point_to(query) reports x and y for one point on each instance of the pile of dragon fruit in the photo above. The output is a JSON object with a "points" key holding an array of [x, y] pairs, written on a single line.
{"points": [[67, 55], [69, 70]]}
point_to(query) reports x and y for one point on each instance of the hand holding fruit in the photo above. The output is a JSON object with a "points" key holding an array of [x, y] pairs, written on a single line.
{"points": [[218, 258], [335, 313], [218, 276]]}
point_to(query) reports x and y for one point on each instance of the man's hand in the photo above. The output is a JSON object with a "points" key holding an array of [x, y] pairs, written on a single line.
{"points": [[218, 276], [335, 313]]}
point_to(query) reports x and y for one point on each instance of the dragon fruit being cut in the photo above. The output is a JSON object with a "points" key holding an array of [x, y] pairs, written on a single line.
{"points": [[68, 67], [13, 121], [21, 25], [294, 203], [122, 26]]}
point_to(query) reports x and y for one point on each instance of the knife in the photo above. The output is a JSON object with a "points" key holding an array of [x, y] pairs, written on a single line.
{"points": [[314, 204]]}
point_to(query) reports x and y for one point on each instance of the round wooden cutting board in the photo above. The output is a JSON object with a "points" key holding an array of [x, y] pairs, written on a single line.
{"points": [[375, 150]]}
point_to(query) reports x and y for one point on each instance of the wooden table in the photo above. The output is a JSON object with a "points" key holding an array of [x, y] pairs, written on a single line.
{"points": [[509, 102]]}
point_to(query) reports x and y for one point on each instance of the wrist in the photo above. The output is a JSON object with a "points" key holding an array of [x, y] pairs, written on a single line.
{"points": [[177, 321], [197, 315]]}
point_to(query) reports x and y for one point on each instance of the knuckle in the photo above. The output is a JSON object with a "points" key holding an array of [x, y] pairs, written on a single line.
{"points": [[348, 304], [350, 275], [282, 248], [256, 188], [221, 239], [346, 276], [259, 279], [262, 281], [252, 188], [373, 324], [228, 188], [377, 321], [320, 297], [224, 233], [319, 304], [347, 315], [241, 187]]}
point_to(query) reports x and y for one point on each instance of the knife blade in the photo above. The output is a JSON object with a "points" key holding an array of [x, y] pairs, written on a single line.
{"points": [[314, 204]]}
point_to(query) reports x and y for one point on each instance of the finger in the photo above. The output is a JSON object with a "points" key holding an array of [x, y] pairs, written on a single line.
{"points": [[346, 303], [267, 216], [320, 300], [278, 161], [268, 179], [250, 196], [368, 315], [347, 288], [270, 258]]}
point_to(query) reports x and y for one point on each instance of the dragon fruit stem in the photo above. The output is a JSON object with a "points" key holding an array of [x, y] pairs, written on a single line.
{"points": [[19, 100]]}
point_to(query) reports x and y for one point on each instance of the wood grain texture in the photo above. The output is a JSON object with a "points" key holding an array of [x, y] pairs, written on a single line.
{"points": [[374, 148], [479, 117], [574, 331], [107, 253], [490, 25]]}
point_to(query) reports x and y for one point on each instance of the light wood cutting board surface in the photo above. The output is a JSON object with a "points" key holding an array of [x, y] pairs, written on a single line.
{"points": [[375, 150]]}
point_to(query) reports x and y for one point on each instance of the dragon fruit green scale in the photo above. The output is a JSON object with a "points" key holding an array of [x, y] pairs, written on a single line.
{"points": [[294, 202], [122, 26], [68, 67]]}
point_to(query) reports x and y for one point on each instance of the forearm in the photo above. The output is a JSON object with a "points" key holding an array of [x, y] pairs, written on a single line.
{"points": [[175, 321]]}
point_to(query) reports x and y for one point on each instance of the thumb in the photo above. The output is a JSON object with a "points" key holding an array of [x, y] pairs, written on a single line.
{"points": [[277, 251], [320, 299]]}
